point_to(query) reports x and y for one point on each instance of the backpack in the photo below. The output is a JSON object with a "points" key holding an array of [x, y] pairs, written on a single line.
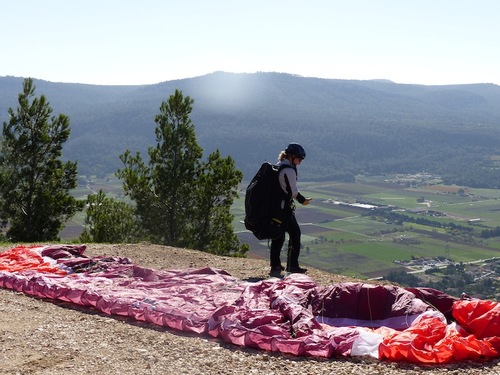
{"points": [[265, 214]]}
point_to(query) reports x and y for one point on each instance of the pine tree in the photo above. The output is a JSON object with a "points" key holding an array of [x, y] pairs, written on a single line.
{"points": [[34, 183], [109, 220], [181, 200]]}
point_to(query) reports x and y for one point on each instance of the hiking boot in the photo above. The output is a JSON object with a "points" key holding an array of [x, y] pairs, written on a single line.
{"points": [[296, 270], [276, 271]]}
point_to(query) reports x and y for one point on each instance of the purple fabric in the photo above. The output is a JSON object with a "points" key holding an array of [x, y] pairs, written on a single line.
{"points": [[285, 316]]}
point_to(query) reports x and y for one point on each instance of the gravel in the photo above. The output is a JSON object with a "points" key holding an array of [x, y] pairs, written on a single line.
{"points": [[46, 337]]}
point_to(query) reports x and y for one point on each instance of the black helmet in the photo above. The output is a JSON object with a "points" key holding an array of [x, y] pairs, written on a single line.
{"points": [[296, 149]]}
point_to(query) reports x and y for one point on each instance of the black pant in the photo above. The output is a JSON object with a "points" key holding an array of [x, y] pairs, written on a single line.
{"points": [[293, 230]]}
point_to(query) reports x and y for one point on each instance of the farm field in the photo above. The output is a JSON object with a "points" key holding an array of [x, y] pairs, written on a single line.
{"points": [[345, 240]]}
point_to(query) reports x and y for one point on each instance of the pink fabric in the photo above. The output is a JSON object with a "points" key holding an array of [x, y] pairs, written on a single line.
{"points": [[293, 315]]}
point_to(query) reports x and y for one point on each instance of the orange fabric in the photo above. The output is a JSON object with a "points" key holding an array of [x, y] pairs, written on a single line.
{"points": [[24, 258], [432, 341], [480, 317]]}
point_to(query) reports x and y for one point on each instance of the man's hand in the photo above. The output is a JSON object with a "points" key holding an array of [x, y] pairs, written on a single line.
{"points": [[307, 201]]}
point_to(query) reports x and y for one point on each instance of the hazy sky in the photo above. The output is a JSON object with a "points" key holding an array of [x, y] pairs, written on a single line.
{"points": [[150, 41]]}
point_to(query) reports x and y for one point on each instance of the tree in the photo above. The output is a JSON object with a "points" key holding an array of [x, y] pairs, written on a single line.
{"points": [[34, 182], [212, 229], [181, 200], [109, 220]]}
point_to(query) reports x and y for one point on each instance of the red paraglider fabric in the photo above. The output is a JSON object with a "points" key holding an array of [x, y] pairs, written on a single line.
{"points": [[293, 315]]}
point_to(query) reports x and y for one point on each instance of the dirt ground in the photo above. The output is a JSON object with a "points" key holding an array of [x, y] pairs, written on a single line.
{"points": [[45, 337]]}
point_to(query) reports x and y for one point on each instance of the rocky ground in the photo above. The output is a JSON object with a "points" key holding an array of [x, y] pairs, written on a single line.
{"points": [[44, 337]]}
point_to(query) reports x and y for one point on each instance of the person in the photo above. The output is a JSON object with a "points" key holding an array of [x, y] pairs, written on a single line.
{"points": [[291, 156]]}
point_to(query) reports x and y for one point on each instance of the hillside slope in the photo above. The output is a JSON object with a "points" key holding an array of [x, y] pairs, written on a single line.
{"points": [[347, 127]]}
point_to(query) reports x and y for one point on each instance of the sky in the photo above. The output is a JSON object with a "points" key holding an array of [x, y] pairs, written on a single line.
{"points": [[124, 42]]}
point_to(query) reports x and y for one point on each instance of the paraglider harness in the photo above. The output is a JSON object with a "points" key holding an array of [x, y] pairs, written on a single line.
{"points": [[267, 206]]}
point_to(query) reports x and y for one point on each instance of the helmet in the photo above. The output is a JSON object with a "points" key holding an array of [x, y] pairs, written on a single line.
{"points": [[296, 149]]}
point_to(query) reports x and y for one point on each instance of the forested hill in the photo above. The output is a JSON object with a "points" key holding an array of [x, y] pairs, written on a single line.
{"points": [[347, 127]]}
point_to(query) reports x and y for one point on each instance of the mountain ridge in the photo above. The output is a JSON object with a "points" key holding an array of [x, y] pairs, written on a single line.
{"points": [[347, 126]]}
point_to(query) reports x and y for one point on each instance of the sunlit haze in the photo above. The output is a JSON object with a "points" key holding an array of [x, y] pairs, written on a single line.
{"points": [[129, 42]]}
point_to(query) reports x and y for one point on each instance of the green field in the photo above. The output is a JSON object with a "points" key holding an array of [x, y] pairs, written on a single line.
{"points": [[342, 240]]}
